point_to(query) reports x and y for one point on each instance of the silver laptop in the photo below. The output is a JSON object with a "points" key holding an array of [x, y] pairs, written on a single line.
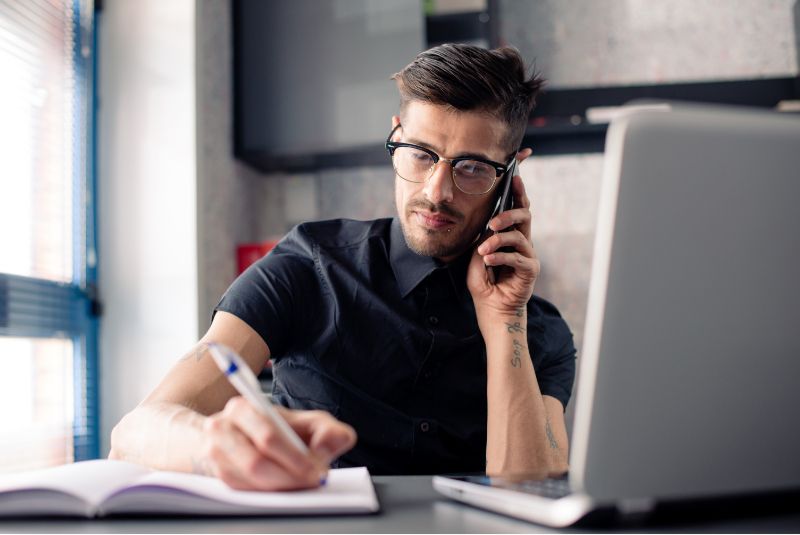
{"points": [[689, 380]]}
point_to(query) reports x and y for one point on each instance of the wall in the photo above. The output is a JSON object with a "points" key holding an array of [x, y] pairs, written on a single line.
{"points": [[235, 203], [612, 42], [147, 197]]}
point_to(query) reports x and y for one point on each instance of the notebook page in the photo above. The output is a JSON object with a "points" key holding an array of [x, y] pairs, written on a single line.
{"points": [[347, 490], [91, 481]]}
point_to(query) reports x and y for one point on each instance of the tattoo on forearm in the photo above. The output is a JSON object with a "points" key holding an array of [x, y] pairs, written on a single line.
{"points": [[198, 352], [518, 348], [515, 327], [516, 362], [550, 437]]}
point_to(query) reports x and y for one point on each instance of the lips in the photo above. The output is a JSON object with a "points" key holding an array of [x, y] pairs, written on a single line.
{"points": [[433, 220]]}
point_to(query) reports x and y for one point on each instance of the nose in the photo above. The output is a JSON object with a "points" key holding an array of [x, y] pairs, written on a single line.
{"points": [[439, 186]]}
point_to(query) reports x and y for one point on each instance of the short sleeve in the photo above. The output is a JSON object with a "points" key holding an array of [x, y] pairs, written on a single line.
{"points": [[269, 294], [557, 373], [552, 350]]}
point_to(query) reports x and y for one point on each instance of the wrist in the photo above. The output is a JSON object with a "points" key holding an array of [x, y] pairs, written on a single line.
{"points": [[501, 333], [492, 318]]}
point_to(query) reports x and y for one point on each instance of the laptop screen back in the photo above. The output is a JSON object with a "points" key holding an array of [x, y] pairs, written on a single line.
{"points": [[690, 374]]}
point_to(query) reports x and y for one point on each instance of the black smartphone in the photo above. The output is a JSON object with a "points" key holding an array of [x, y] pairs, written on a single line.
{"points": [[505, 201]]}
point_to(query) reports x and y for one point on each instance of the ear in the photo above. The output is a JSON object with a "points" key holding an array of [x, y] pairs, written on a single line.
{"points": [[523, 154], [395, 120]]}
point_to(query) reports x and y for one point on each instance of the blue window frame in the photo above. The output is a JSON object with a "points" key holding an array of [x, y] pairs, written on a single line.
{"points": [[47, 59]]}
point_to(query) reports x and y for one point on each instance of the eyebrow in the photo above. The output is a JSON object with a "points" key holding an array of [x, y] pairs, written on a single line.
{"points": [[462, 155]]}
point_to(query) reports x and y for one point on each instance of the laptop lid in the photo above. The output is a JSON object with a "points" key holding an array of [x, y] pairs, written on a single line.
{"points": [[690, 369]]}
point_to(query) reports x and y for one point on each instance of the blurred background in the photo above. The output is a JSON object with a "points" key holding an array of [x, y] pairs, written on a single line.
{"points": [[150, 149]]}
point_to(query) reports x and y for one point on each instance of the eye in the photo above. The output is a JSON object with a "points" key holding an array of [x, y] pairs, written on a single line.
{"points": [[474, 169], [420, 156]]}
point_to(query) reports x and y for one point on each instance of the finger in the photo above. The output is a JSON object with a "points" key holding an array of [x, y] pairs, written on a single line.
{"points": [[513, 239], [323, 432], [522, 202], [516, 217], [236, 461], [520, 194], [327, 436], [521, 264], [268, 439], [524, 154], [258, 473]]}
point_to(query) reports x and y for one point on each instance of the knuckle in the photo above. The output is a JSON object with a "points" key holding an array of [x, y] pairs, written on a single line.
{"points": [[251, 465], [216, 455], [235, 404], [349, 433], [267, 438], [213, 424]]}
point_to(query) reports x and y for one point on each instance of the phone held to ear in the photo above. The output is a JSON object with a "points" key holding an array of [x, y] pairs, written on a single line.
{"points": [[505, 201]]}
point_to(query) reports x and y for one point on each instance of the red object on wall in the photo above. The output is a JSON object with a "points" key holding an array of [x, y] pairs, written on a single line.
{"points": [[247, 253]]}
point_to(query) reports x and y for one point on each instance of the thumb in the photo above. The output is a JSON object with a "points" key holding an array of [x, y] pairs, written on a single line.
{"points": [[332, 441], [326, 436]]}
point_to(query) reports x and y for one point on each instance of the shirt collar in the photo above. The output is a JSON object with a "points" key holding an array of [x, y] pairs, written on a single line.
{"points": [[410, 269]]}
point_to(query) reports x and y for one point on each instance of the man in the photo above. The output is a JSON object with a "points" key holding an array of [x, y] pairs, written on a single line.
{"points": [[390, 328]]}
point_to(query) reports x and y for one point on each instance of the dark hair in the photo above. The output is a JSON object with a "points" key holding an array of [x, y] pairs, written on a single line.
{"points": [[470, 78]]}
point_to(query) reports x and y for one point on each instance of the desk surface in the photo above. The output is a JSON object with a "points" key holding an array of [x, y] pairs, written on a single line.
{"points": [[408, 504]]}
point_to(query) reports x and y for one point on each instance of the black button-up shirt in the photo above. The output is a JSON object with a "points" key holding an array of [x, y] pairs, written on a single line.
{"points": [[387, 341]]}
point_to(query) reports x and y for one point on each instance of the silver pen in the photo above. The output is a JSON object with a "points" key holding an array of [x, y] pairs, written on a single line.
{"points": [[245, 382]]}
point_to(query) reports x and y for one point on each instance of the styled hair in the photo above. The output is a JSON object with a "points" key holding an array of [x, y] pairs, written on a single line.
{"points": [[470, 78]]}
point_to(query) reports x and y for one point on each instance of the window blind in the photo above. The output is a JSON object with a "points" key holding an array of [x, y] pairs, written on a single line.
{"points": [[48, 390]]}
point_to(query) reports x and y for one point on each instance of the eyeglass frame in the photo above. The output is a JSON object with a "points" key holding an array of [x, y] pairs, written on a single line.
{"points": [[499, 168]]}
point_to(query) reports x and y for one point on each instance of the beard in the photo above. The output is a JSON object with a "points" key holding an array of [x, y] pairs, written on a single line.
{"points": [[443, 243]]}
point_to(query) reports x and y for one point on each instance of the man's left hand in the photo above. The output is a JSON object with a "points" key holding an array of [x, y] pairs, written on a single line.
{"points": [[516, 268]]}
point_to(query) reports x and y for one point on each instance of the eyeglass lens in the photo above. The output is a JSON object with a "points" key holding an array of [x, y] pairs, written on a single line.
{"points": [[470, 176]]}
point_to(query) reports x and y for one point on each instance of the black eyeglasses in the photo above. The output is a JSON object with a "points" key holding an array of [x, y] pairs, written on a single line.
{"points": [[474, 176]]}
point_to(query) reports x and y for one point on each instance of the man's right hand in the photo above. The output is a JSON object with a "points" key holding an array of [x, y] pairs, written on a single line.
{"points": [[243, 448], [194, 421]]}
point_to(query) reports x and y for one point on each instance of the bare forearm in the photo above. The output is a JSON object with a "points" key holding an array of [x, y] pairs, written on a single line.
{"points": [[520, 441], [166, 436]]}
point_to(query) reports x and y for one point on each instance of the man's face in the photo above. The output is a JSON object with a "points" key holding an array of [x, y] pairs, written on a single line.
{"points": [[437, 218]]}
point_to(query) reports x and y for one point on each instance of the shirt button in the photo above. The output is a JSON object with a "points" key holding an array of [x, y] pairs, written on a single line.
{"points": [[433, 320], [424, 427]]}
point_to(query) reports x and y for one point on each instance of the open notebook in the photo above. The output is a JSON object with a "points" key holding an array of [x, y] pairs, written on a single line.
{"points": [[105, 487]]}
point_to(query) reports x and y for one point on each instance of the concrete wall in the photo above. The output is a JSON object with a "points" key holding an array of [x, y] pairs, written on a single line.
{"points": [[611, 42], [235, 204]]}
